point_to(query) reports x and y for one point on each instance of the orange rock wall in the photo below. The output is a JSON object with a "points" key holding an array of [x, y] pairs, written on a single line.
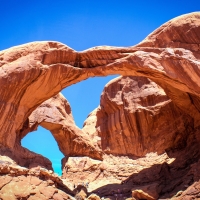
{"points": [[45, 68], [136, 117], [170, 56]]}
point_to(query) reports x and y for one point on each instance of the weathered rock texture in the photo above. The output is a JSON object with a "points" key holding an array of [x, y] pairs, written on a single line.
{"points": [[111, 171], [55, 115], [38, 183], [170, 57], [136, 117]]}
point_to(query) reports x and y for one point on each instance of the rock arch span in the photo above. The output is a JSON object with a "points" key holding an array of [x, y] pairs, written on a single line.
{"points": [[34, 72], [55, 115]]}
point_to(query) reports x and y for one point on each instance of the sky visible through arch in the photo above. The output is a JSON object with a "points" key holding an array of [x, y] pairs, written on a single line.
{"points": [[81, 25]]}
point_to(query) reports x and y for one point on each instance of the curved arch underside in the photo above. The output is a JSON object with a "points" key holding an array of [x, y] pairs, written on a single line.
{"points": [[35, 72]]}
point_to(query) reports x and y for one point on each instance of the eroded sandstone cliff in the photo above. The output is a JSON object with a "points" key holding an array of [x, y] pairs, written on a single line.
{"points": [[29, 69], [55, 115], [136, 117], [148, 142], [34, 72]]}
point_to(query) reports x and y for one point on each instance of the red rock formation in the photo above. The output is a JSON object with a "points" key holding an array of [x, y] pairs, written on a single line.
{"points": [[32, 73], [55, 115], [29, 69], [140, 194], [38, 183], [161, 127], [136, 117]]}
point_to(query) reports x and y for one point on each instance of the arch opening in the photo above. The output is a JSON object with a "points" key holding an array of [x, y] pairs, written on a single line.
{"points": [[84, 96], [170, 60], [42, 142], [54, 115]]}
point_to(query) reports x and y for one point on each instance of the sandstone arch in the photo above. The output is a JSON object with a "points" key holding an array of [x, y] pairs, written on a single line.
{"points": [[55, 115], [34, 72]]}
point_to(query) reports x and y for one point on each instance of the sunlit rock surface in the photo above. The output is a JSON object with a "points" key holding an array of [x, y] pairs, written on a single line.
{"points": [[136, 117], [37, 183], [150, 145], [170, 56], [55, 115]]}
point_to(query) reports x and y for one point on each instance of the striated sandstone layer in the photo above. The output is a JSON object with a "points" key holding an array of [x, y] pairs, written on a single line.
{"points": [[150, 146], [136, 117]]}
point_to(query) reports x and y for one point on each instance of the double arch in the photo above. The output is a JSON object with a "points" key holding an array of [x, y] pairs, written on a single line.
{"points": [[35, 72]]}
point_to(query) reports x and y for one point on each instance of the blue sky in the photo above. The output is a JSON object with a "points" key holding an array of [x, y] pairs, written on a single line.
{"points": [[81, 25]]}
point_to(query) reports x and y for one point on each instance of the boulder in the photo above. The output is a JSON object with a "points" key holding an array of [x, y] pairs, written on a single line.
{"points": [[36, 183]]}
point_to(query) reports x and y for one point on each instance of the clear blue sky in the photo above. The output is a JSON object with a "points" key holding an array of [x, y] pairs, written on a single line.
{"points": [[81, 25]]}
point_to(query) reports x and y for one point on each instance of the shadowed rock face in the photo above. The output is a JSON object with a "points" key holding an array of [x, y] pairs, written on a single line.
{"points": [[149, 143], [136, 117], [170, 56]]}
